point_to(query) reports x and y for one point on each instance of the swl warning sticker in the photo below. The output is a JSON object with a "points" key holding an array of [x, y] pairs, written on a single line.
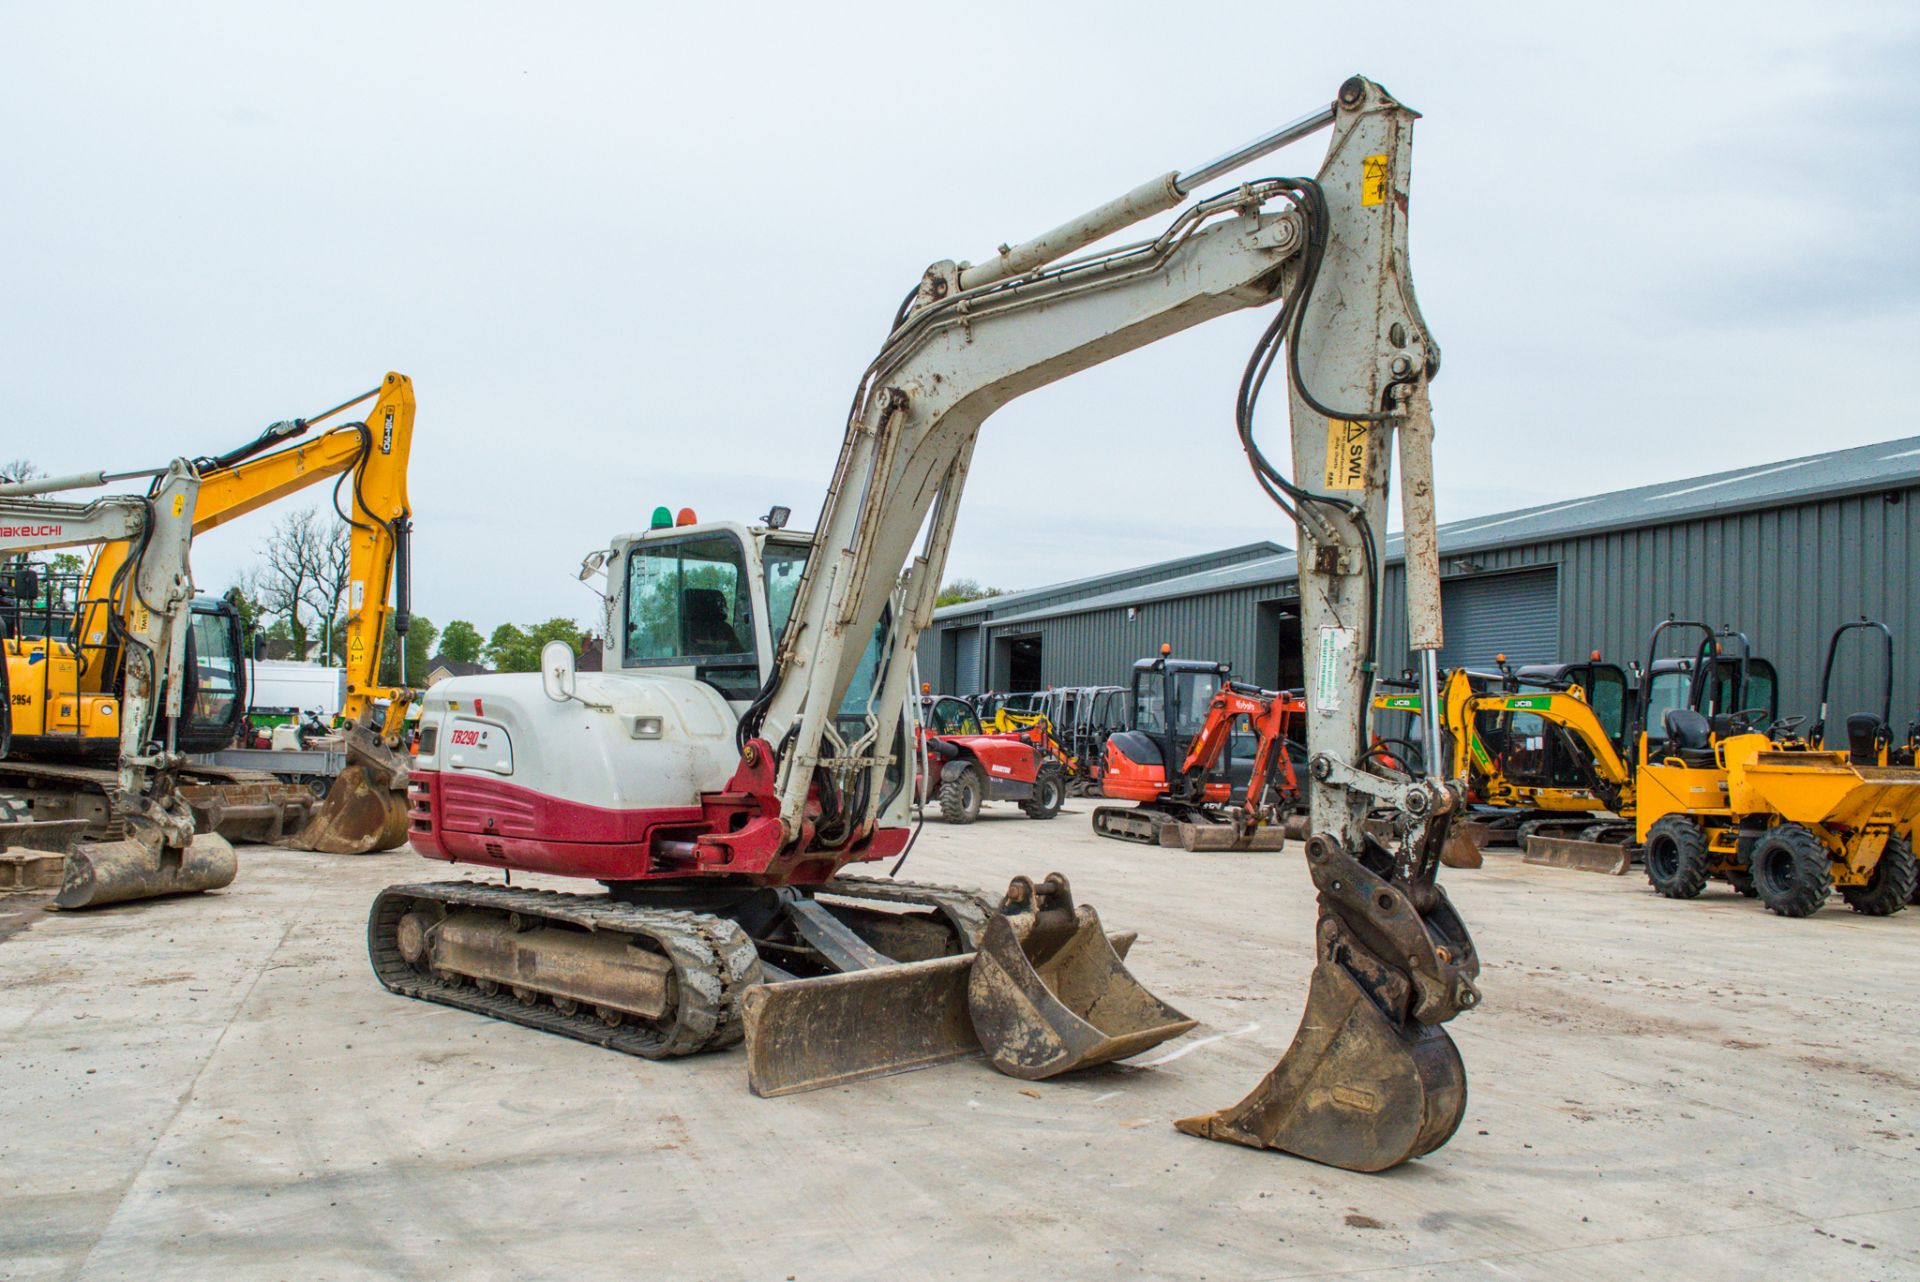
{"points": [[1346, 455]]}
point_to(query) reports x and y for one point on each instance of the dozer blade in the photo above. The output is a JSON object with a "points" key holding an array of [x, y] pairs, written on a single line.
{"points": [[360, 815], [1048, 993], [1357, 1089], [1223, 836], [143, 866], [1581, 856], [810, 1033]]}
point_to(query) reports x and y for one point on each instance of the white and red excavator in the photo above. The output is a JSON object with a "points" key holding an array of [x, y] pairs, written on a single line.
{"points": [[750, 737]]}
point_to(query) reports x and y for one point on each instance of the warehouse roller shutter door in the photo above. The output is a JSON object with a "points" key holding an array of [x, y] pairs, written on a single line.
{"points": [[1517, 615], [966, 664]]}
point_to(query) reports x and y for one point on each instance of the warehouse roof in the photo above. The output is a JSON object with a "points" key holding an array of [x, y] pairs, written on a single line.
{"points": [[1865, 468], [1113, 580]]}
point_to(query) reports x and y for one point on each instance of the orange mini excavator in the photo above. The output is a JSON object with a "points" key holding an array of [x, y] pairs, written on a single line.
{"points": [[1177, 764]]}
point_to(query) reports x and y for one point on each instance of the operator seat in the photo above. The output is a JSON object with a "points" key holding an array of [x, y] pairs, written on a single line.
{"points": [[1865, 735], [1689, 737], [708, 631]]}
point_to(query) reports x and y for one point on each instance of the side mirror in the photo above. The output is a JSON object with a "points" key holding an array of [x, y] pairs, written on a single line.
{"points": [[557, 671], [593, 564]]}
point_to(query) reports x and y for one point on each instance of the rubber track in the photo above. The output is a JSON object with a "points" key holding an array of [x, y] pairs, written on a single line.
{"points": [[714, 964], [964, 908]]}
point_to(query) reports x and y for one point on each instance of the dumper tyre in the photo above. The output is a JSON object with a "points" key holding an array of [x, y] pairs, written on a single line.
{"points": [[1676, 857], [960, 796], [1792, 871], [1891, 885], [1049, 793]]}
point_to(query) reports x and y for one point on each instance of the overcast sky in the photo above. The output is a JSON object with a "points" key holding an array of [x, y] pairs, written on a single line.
{"points": [[634, 255]]}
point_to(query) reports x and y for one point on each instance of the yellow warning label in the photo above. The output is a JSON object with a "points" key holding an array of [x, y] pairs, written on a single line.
{"points": [[179, 504], [1346, 455], [1373, 180], [358, 649], [141, 619]]}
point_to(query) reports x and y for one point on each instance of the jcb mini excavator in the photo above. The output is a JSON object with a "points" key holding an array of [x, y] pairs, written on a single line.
{"points": [[748, 740], [1173, 761], [68, 678]]}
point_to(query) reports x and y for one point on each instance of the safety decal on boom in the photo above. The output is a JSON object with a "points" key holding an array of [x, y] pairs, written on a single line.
{"points": [[1346, 455], [1334, 643], [1373, 180]]}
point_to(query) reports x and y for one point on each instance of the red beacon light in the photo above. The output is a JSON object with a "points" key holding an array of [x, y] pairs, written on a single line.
{"points": [[686, 517], [1594, 657]]}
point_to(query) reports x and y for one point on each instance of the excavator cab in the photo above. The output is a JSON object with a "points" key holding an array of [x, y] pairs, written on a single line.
{"points": [[1169, 700]]}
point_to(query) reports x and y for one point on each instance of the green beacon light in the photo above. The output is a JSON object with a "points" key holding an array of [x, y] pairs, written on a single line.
{"points": [[662, 519]]}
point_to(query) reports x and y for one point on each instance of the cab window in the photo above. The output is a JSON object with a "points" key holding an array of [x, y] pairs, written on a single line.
{"points": [[951, 716], [216, 677], [688, 600]]}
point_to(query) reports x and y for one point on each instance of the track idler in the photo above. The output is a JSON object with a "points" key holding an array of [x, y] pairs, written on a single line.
{"points": [[1371, 1079], [143, 866]]}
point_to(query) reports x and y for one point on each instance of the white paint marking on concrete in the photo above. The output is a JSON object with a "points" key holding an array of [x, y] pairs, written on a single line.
{"points": [[1100, 1099], [1195, 1045]]}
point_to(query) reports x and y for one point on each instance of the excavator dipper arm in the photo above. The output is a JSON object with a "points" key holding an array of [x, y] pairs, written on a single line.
{"points": [[160, 853], [1371, 1080]]}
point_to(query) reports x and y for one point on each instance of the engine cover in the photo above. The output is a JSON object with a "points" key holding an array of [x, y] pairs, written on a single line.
{"points": [[510, 778]]}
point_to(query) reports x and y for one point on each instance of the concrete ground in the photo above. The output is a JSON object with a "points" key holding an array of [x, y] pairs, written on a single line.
{"points": [[216, 1087]]}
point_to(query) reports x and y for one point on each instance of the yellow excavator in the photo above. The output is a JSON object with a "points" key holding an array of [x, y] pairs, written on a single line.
{"points": [[1540, 753], [66, 661]]}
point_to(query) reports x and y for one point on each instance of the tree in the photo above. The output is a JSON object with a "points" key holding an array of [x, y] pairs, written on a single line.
{"points": [[512, 648], [420, 638], [331, 571], [507, 650], [961, 590], [293, 551], [461, 642], [19, 469]]}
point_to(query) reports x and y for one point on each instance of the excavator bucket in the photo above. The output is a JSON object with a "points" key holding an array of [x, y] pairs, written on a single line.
{"points": [[142, 866], [806, 1034], [1048, 993], [1462, 849], [362, 814], [1359, 1088]]}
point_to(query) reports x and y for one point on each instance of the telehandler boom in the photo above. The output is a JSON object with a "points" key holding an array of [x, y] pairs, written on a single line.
{"points": [[749, 739]]}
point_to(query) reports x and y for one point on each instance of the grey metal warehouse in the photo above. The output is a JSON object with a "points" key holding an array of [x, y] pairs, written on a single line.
{"points": [[1781, 551]]}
